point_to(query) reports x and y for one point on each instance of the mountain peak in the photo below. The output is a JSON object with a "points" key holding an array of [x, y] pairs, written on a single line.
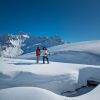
{"points": [[21, 43]]}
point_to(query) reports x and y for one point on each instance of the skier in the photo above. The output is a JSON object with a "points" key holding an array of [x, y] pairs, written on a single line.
{"points": [[45, 55], [38, 54]]}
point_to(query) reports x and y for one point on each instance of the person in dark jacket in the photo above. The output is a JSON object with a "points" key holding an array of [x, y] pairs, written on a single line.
{"points": [[45, 55], [38, 54]]}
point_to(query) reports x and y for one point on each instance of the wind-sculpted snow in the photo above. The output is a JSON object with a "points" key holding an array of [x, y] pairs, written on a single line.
{"points": [[78, 57], [55, 84], [85, 46], [27, 73], [18, 71], [87, 52], [28, 93], [28, 77], [34, 93]]}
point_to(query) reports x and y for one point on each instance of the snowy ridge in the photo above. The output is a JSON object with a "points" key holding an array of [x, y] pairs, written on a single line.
{"points": [[86, 46]]}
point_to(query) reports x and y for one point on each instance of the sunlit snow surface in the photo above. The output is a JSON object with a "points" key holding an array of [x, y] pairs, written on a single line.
{"points": [[87, 52], [55, 77], [76, 63]]}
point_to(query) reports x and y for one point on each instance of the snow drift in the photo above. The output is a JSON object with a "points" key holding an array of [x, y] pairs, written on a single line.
{"points": [[53, 76], [28, 93], [29, 77]]}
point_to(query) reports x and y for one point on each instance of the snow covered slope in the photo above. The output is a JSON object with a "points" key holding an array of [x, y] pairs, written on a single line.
{"points": [[85, 46], [53, 76], [23, 79], [28, 93], [33, 93], [28, 77], [87, 52]]}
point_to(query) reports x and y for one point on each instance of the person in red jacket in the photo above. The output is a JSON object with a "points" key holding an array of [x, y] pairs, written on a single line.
{"points": [[38, 54]]}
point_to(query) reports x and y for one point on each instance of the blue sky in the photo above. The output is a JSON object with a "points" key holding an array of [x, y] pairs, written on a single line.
{"points": [[73, 20]]}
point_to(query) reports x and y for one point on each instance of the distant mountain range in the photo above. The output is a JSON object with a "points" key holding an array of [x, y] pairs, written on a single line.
{"points": [[21, 43]]}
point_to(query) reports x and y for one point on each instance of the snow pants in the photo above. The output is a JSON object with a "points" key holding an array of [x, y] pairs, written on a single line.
{"points": [[38, 57], [45, 58]]}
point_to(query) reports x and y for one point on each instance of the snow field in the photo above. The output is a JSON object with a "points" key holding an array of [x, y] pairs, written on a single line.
{"points": [[56, 77]]}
